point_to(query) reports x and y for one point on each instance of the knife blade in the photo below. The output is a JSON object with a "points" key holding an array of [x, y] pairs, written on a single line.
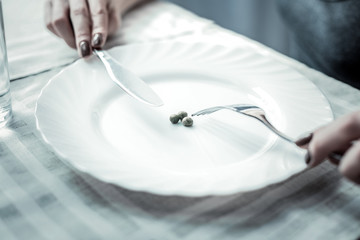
{"points": [[128, 81]]}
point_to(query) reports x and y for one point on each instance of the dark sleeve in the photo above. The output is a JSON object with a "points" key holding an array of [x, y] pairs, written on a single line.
{"points": [[326, 35]]}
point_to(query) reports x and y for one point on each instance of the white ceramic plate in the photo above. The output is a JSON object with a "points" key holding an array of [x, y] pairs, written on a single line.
{"points": [[100, 130]]}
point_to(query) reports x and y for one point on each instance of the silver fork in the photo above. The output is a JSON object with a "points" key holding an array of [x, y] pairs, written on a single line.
{"points": [[259, 114]]}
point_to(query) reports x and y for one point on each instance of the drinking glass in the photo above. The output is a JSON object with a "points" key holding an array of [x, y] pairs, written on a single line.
{"points": [[5, 97]]}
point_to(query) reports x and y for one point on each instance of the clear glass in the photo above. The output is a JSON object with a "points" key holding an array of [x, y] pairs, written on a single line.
{"points": [[5, 97]]}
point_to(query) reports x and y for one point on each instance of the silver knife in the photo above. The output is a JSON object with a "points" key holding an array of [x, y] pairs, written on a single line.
{"points": [[128, 81]]}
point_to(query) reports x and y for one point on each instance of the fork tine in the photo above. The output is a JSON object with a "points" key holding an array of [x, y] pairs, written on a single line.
{"points": [[236, 108], [248, 110], [207, 111]]}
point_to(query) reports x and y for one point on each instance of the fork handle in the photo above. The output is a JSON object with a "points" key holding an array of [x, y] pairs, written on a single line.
{"points": [[261, 117], [336, 157]]}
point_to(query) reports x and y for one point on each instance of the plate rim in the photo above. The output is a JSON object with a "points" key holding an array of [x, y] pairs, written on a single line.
{"points": [[188, 193]]}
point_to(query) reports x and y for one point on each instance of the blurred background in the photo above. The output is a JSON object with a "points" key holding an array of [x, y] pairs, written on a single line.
{"points": [[256, 19]]}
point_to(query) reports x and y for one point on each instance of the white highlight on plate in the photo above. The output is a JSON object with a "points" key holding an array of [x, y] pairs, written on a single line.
{"points": [[174, 147]]}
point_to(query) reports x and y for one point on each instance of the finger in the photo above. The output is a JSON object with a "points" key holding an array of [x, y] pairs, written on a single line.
{"points": [[80, 18], [61, 21], [350, 164], [48, 17], [335, 157], [303, 142], [333, 137], [99, 17]]}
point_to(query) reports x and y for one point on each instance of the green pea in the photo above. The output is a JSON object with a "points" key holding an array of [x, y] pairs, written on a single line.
{"points": [[182, 114], [174, 118], [187, 122]]}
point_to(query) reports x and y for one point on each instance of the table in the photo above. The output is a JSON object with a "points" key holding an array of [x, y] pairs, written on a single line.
{"points": [[42, 198]]}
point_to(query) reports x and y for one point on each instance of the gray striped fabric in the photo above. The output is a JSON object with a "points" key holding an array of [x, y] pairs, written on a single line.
{"points": [[42, 198]]}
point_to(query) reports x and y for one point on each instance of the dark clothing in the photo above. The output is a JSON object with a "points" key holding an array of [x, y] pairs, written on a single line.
{"points": [[326, 35]]}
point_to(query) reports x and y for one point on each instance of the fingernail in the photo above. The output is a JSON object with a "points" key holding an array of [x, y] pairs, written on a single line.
{"points": [[97, 40], [307, 158], [304, 140], [84, 48]]}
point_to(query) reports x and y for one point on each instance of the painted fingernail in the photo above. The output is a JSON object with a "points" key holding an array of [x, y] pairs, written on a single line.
{"points": [[304, 140], [307, 158], [84, 48], [97, 40]]}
